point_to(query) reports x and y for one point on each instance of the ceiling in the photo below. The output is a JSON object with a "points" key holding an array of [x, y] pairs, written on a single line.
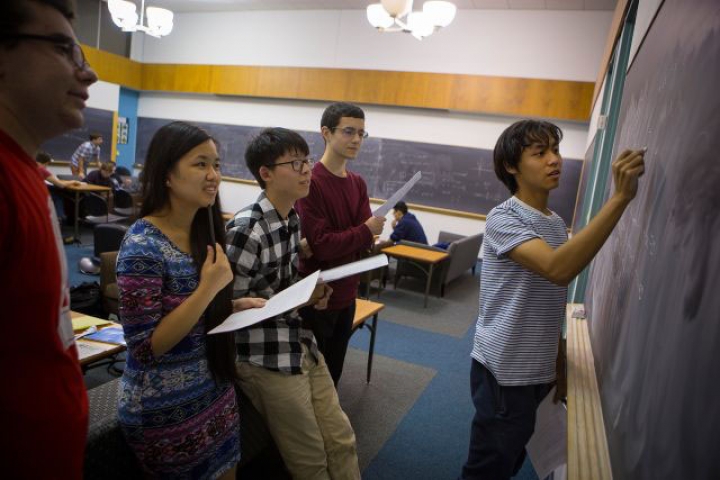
{"points": [[229, 5]]}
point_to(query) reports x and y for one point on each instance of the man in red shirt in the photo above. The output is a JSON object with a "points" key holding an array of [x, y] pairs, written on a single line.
{"points": [[338, 226], [44, 82]]}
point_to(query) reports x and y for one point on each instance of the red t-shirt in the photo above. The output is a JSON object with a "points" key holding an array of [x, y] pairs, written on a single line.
{"points": [[332, 219], [44, 404]]}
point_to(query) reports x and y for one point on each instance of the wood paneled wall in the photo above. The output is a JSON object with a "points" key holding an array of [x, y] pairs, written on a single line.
{"points": [[564, 100]]}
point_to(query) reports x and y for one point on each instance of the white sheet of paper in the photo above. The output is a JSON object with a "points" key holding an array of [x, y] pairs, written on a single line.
{"points": [[547, 447], [385, 208], [292, 297], [353, 268], [88, 349]]}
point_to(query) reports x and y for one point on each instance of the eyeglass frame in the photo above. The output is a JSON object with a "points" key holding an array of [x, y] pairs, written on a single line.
{"points": [[309, 161], [350, 132], [71, 46]]}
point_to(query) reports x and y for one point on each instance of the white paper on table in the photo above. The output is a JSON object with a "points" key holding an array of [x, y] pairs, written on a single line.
{"points": [[384, 209], [292, 297], [354, 268], [547, 447]]}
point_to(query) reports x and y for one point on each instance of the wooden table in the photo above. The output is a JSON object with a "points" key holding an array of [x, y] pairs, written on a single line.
{"points": [[91, 351], [365, 309], [85, 188], [422, 258]]}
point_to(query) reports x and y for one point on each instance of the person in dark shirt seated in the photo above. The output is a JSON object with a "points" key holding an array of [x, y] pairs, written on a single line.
{"points": [[406, 226], [103, 176]]}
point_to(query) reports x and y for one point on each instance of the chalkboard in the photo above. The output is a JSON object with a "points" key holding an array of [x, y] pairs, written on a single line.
{"points": [[653, 300], [96, 120], [456, 178]]}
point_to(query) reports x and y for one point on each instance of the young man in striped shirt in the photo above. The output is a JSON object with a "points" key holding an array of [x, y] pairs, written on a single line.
{"points": [[280, 367], [527, 265]]}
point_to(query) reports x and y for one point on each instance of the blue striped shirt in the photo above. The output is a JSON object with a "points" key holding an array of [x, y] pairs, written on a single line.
{"points": [[521, 313]]}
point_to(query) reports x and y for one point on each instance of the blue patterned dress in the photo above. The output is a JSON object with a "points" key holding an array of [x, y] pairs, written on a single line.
{"points": [[177, 419]]}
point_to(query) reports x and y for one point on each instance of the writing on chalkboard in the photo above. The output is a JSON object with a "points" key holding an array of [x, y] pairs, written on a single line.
{"points": [[455, 178]]}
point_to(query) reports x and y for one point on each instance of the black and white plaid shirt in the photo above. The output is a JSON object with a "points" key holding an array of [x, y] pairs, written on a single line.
{"points": [[263, 252]]}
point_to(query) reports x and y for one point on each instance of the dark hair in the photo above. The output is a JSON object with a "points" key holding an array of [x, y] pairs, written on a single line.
{"points": [[402, 206], [334, 112], [95, 135], [516, 138], [169, 144], [43, 157], [14, 14], [123, 171], [269, 145]]}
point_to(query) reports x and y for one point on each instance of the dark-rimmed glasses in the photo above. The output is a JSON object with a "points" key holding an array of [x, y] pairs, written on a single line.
{"points": [[72, 50], [350, 132], [297, 164]]}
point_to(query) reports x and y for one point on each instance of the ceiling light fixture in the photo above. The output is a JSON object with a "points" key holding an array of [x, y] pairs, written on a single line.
{"points": [[387, 16], [124, 15]]}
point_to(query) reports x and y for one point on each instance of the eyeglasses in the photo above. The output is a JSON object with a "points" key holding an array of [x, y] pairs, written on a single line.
{"points": [[297, 164], [350, 132], [69, 47]]}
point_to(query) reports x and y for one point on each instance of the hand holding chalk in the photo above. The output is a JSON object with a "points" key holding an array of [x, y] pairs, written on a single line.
{"points": [[627, 168]]}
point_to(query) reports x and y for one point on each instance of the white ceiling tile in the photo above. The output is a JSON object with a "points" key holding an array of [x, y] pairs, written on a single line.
{"points": [[600, 4], [564, 4], [491, 4], [527, 4]]}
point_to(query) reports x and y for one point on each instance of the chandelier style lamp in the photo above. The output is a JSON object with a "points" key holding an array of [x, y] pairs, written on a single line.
{"points": [[124, 15], [398, 16]]}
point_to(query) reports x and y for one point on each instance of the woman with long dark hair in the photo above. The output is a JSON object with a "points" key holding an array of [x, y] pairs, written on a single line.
{"points": [[177, 406]]}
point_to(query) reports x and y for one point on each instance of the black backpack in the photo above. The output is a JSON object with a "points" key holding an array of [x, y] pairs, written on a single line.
{"points": [[85, 298]]}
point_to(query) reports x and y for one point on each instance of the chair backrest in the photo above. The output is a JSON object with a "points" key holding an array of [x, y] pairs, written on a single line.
{"points": [[463, 255], [122, 199], [108, 237], [95, 205]]}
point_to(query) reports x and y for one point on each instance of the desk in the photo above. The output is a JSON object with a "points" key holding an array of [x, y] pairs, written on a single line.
{"points": [[365, 309], [85, 187], [420, 257], [90, 351]]}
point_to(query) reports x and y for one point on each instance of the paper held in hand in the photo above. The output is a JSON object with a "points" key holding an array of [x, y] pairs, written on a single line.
{"points": [[293, 296], [370, 263], [385, 208], [297, 294]]}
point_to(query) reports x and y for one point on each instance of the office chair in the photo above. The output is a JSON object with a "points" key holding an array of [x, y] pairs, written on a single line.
{"points": [[107, 238]]}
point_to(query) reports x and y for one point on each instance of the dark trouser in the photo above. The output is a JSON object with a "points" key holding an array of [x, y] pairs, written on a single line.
{"points": [[332, 330], [503, 424]]}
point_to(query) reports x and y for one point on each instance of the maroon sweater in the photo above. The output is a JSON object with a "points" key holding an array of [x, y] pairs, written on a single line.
{"points": [[332, 219]]}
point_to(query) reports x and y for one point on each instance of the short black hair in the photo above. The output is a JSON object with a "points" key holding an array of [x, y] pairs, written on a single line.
{"points": [[43, 157], [516, 138], [269, 145], [14, 14], [401, 206], [334, 112], [94, 135]]}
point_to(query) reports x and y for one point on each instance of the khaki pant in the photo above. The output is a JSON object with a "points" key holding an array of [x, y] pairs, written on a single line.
{"points": [[305, 419]]}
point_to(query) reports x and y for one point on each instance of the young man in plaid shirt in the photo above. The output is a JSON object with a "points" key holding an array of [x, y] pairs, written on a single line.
{"points": [[280, 367]]}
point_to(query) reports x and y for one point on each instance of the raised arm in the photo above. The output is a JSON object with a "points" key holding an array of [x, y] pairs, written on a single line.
{"points": [[561, 265]]}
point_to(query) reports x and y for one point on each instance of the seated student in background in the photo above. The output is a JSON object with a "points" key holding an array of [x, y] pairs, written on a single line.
{"points": [[177, 406], [280, 367], [406, 226], [103, 176], [528, 263], [43, 159]]}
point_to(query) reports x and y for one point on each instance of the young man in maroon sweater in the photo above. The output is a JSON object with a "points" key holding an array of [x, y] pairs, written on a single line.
{"points": [[44, 82], [338, 226]]}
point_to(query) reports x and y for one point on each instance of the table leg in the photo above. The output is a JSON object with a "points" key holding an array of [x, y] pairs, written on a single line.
{"points": [[77, 215], [373, 331], [427, 284]]}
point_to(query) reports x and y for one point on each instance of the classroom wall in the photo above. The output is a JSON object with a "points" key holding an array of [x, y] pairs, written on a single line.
{"points": [[103, 95], [420, 125], [548, 44]]}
